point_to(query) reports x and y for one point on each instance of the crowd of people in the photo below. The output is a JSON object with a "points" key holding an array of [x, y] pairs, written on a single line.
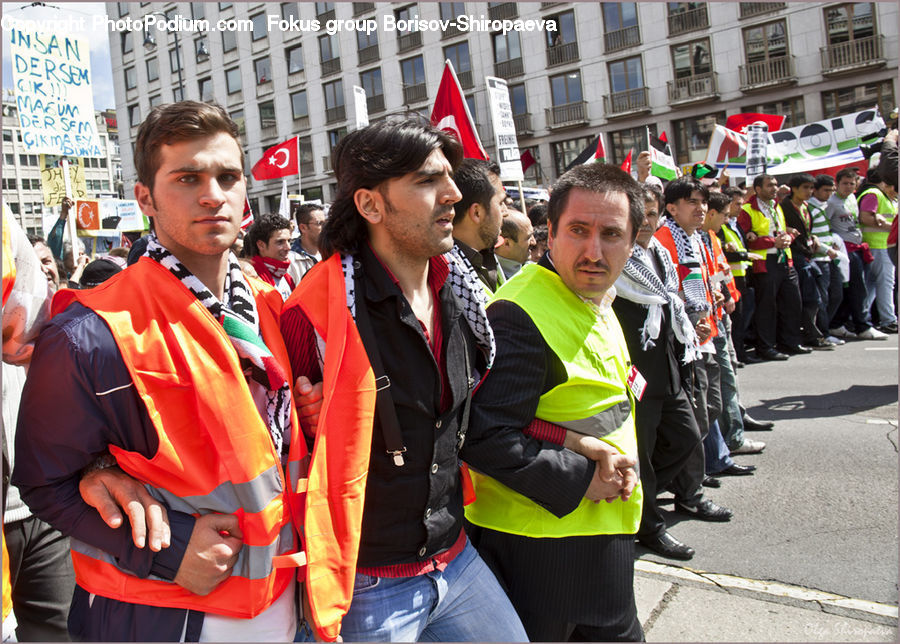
{"points": [[425, 412]]}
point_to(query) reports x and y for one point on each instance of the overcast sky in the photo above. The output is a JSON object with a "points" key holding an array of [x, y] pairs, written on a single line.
{"points": [[98, 40]]}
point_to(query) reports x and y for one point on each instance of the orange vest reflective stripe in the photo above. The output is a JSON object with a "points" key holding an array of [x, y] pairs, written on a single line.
{"points": [[9, 263], [7, 586], [340, 459], [664, 235], [213, 456]]}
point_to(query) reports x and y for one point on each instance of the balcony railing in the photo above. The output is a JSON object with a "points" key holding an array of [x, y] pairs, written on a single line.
{"points": [[360, 8], [509, 68], [767, 73], [502, 11], [451, 31], [852, 55], [415, 93], [413, 39], [368, 54], [622, 38], [755, 8], [523, 123], [690, 20], [334, 114], [693, 88], [562, 54], [547, 5], [301, 122], [325, 16], [465, 79], [307, 167], [631, 100], [375, 103], [567, 114], [331, 66]]}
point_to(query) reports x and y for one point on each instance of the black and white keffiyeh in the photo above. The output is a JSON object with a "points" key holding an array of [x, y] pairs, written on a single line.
{"points": [[237, 314], [465, 285], [640, 283], [690, 260]]}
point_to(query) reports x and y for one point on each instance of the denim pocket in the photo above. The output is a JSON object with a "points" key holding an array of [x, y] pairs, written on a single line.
{"points": [[364, 583]]}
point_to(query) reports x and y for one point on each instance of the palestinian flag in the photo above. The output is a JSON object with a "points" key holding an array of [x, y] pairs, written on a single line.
{"points": [[593, 152], [662, 163]]}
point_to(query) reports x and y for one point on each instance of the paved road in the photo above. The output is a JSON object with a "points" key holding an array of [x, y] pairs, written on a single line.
{"points": [[822, 510]]}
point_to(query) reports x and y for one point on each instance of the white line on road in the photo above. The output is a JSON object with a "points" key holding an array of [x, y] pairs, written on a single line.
{"points": [[881, 348]]}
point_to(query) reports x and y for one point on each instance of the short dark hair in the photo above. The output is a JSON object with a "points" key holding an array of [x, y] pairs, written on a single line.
{"points": [[368, 157], [843, 173], [596, 177], [733, 191], [510, 229], [823, 180], [719, 202], [175, 122], [682, 188], [653, 191], [303, 212], [799, 179], [760, 179], [473, 178], [262, 230], [538, 214]]}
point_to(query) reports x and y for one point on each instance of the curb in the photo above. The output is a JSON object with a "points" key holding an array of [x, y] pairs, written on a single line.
{"points": [[773, 591]]}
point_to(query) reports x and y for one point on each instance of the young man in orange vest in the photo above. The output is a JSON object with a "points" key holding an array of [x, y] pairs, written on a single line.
{"points": [[176, 372]]}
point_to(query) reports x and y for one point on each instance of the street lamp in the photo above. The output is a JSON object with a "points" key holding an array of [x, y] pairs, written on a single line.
{"points": [[150, 45]]}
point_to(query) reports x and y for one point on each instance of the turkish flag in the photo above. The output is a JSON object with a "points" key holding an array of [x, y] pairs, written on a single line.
{"points": [[739, 122], [282, 160], [626, 164], [451, 114], [87, 214], [247, 219], [527, 160]]}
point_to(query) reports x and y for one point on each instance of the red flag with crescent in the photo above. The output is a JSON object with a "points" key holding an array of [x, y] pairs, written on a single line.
{"points": [[282, 160], [451, 114], [87, 214]]}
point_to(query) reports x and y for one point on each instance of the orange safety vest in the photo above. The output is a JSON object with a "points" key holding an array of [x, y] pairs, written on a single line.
{"points": [[664, 235], [7, 586], [340, 459], [723, 267], [9, 263], [215, 452]]}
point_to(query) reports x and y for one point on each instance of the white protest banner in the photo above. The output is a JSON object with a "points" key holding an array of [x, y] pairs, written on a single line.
{"points": [[805, 148], [361, 107], [130, 216], [508, 155], [52, 76]]}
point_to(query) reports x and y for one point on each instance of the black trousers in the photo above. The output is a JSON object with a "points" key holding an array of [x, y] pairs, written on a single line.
{"points": [[566, 589], [743, 312], [40, 570], [777, 306], [667, 434]]}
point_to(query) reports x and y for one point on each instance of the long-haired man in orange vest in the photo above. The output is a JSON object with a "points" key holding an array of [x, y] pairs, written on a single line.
{"points": [[175, 371]]}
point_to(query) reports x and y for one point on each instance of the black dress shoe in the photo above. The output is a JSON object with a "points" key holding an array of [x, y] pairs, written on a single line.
{"points": [[750, 359], [737, 470], [705, 510], [795, 350], [709, 481], [753, 425], [668, 546], [772, 354]]}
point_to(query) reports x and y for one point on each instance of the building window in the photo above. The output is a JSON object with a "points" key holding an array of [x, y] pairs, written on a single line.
{"points": [[229, 40], [791, 108], [7, 135], [691, 59], [177, 94], [206, 89], [412, 71], [692, 136], [201, 49], [622, 141], [267, 114], [620, 25], [334, 101], [855, 99], [329, 54], [566, 88], [289, 10], [334, 137], [294, 56], [174, 60], [9, 183], [198, 11], [224, 5], [371, 82], [155, 100], [260, 27], [407, 40], [565, 30], [313, 193], [687, 16], [564, 152], [307, 166], [367, 46], [458, 55], [152, 69], [850, 21], [519, 102], [9, 159], [299, 108], [764, 42], [626, 75], [238, 117], [233, 80], [130, 78], [263, 69], [324, 11], [127, 42], [134, 115]]}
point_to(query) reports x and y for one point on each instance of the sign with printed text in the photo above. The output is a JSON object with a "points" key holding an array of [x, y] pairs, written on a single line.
{"points": [[52, 77], [360, 107], [508, 155], [53, 184]]}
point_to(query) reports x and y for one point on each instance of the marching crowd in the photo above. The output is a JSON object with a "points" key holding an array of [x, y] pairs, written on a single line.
{"points": [[423, 413]]}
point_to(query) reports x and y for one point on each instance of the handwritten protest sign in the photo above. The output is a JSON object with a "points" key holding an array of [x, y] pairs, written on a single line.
{"points": [[53, 184], [52, 76]]}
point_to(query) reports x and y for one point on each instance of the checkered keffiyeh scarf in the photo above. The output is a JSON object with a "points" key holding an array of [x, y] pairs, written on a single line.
{"points": [[237, 315], [464, 283], [690, 260]]}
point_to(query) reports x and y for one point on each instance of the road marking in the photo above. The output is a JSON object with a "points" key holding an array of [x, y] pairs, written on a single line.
{"points": [[772, 589], [881, 348], [878, 421]]}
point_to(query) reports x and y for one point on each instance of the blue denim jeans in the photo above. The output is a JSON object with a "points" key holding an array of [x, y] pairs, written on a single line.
{"points": [[880, 287], [464, 603], [730, 422]]}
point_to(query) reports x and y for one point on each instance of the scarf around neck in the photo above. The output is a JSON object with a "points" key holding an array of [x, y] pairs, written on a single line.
{"points": [[690, 261]]}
